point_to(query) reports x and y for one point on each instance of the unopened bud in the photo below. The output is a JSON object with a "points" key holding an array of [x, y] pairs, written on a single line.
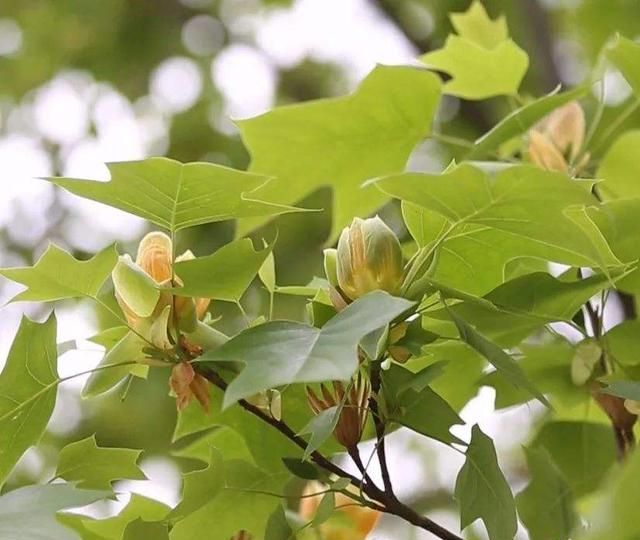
{"points": [[331, 266], [185, 384], [353, 414], [556, 142], [369, 258], [566, 128]]}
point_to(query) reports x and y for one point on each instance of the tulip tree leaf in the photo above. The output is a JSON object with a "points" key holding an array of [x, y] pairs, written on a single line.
{"points": [[523, 201], [622, 343], [522, 119], [506, 366], [617, 168], [313, 354], [583, 451], [28, 386], [320, 428], [482, 491], [625, 55], [58, 275], [176, 195], [225, 498], [138, 507], [546, 505], [345, 141], [138, 529], [29, 513], [624, 389], [423, 410], [615, 516], [94, 467], [224, 275], [482, 61]]}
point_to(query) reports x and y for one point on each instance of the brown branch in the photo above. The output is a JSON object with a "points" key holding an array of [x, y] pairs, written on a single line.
{"points": [[389, 505], [380, 429]]}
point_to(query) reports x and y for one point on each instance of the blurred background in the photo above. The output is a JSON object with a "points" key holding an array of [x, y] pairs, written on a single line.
{"points": [[83, 83]]}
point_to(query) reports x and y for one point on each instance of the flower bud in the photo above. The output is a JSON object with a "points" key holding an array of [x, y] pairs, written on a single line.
{"points": [[369, 258], [353, 415], [557, 141], [331, 266], [186, 384]]}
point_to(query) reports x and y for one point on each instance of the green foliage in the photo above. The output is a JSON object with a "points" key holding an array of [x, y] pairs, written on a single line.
{"points": [[224, 275], [28, 385], [583, 451], [224, 498], [174, 195], [482, 60], [474, 304], [313, 355], [58, 275], [29, 513], [342, 142], [546, 505], [482, 491], [94, 467]]}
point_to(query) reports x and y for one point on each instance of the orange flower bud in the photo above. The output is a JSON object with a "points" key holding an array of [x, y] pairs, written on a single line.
{"points": [[186, 384], [154, 256], [353, 416]]}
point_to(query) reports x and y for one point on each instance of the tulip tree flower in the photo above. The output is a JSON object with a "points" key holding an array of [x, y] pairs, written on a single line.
{"points": [[556, 142], [368, 258]]}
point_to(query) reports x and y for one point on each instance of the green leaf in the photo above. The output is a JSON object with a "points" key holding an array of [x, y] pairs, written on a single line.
{"points": [[522, 119], [615, 516], [475, 25], [421, 410], [94, 467], [546, 505], [326, 507], [28, 386], [526, 202], [499, 359], [224, 498], [313, 354], [224, 275], [139, 529], [320, 427], [29, 513], [121, 355], [58, 275], [482, 491], [174, 195], [583, 451], [301, 469], [622, 343], [343, 141], [138, 507], [548, 366], [625, 55], [524, 304], [482, 61], [617, 168]]}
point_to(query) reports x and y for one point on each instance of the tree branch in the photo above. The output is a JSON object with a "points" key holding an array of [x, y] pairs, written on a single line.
{"points": [[389, 505], [380, 429]]}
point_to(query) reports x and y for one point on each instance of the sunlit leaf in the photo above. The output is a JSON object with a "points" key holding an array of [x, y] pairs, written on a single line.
{"points": [[617, 168], [58, 275], [28, 385], [625, 55], [176, 195], [342, 142], [94, 467], [224, 275], [482, 60]]}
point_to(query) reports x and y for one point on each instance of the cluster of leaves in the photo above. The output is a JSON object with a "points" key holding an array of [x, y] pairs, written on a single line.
{"points": [[476, 292]]}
